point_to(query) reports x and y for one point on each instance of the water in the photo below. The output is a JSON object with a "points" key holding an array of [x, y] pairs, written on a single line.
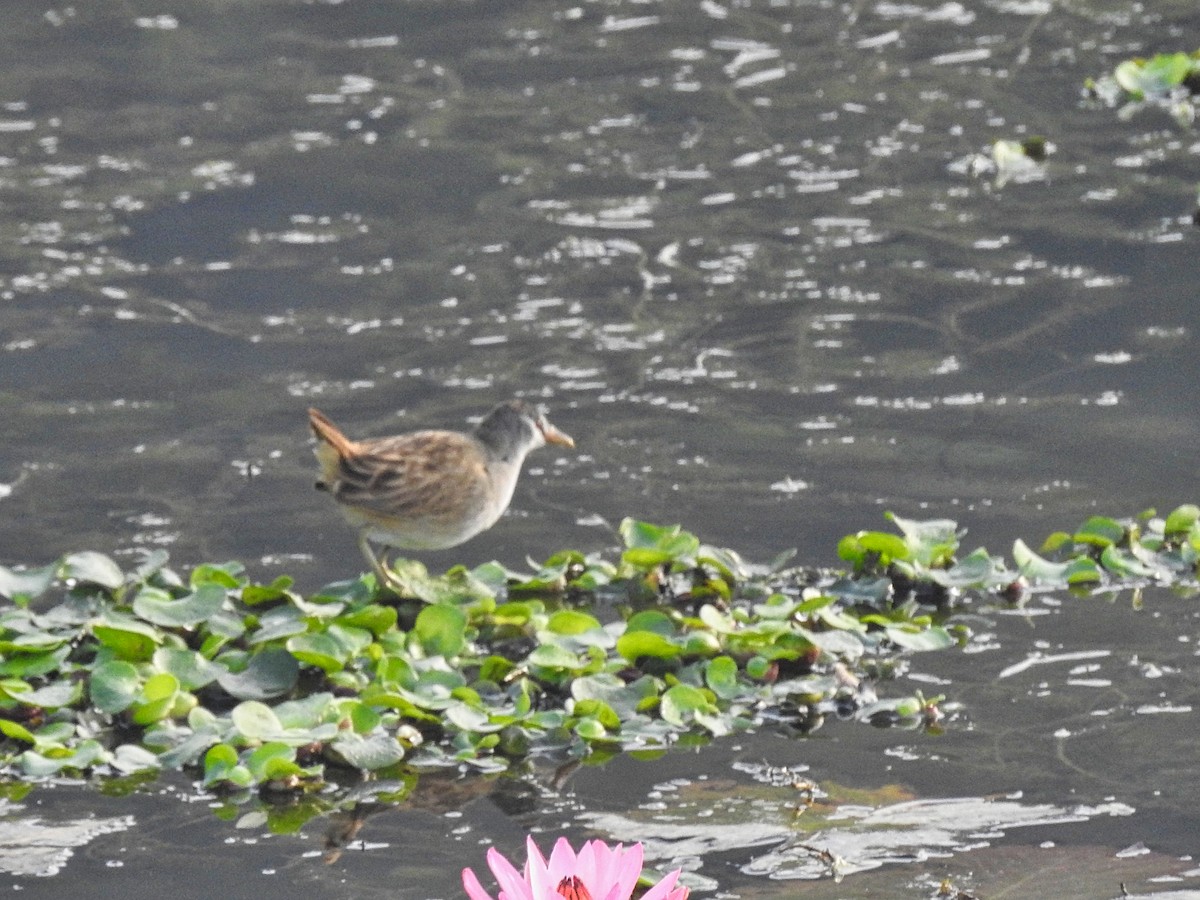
{"points": [[736, 250]]}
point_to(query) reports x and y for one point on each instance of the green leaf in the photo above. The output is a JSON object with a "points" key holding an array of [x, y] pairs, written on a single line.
{"points": [[681, 703], [157, 606], [634, 645], [377, 751], [270, 673], [1179, 522], [1155, 76], [54, 695], [128, 638], [190, 667], [571, 622], [254, 594], [27, 583], [441, 630], [320, 650], [130, 758], [913, 638], [114, 686], [931, 543], [221, 764], [16, 731], [256, 721], [720, 674], [90, 567], [1100, 531], [79, 759], [549, 656], [649, 546], [156, 699]]}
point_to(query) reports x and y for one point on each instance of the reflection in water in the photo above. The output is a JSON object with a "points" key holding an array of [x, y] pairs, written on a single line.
{"points": [[33, 846]]}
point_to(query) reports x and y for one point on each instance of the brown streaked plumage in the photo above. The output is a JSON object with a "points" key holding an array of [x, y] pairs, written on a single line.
{"points": [[428, 490]]}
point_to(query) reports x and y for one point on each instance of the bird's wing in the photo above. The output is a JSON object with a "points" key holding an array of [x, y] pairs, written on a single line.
{"points": [[428, 474]]}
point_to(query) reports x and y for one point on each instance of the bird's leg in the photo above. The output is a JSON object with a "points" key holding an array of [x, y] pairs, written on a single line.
{"points": [[386, 578]]}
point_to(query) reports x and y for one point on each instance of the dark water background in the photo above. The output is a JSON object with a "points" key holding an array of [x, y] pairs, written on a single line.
{"points": [[734, 247]]}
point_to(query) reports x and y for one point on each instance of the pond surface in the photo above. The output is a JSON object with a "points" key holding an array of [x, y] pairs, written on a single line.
{"points": [[742, 253]]}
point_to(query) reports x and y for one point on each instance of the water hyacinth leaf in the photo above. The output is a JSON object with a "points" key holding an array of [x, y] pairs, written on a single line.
{"points": [[680, 703], [717, 620], [606, 687], [114, 686], [549, 656], [921, 639], [1100, 531], [306, 712], [226, 624], [590, 729], [26, 584], [254, 594], [80, 758], [11, 687], [270, 673], [363, 719], [867, 548], [1083, 570], [320, 650], [1037, 568], [376, 751], [262, 762], [648, 546], [256, 720], [191, 668], [571, 622], [89, 567], [720, 674], [127, 638], [228, 575], [1155, 76], [651, 620], [1127, 565], [189, 750], [1181, 520], [130, 758], [931, 543], [16, 731], [31, 642], [598, 710], [471, 719], [441, 630], [32, 665], [54, 695], [158, 607], [221, 763], [377, 619], [637, 645], [759, 667], [279, 623], [156, 699]]}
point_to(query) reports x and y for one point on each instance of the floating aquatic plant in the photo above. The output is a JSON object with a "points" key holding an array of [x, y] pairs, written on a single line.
{"points": [[114, 672], [1166, 80]]}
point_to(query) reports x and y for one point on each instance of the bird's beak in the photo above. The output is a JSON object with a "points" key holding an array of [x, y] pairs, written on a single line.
{"points": [[554, 436]]}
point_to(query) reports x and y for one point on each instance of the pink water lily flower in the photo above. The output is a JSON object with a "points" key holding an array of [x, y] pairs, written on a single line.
{"points": [[597, 872]]}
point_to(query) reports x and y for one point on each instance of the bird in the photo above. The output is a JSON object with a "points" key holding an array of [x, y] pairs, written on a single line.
{"points": [[428, 490]]}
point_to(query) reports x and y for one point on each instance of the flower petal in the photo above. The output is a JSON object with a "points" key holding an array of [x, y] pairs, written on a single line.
{"points": [[472, 886], [513, 885], [540, 877], [666, 890]]}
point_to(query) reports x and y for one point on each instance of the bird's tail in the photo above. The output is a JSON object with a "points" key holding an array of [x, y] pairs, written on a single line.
{"points": [[332, 447], [330, 434]]}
